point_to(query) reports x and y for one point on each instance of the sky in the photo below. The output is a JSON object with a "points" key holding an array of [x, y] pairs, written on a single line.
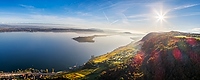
{"points": [[133, 15]]}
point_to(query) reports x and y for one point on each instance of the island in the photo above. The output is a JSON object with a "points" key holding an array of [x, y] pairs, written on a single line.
{"points": [[87, 38]]}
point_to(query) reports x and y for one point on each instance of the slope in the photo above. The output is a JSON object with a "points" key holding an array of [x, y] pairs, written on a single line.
{"points": [[157, 56]]}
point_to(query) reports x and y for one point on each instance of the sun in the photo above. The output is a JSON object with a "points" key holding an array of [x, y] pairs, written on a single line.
{"points": [[160, 17]]}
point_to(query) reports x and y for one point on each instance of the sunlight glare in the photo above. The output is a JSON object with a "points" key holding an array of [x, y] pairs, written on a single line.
{"points": [[160, 16]]}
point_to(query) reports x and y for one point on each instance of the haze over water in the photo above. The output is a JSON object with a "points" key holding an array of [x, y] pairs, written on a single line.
{"points": [[40, 50]]}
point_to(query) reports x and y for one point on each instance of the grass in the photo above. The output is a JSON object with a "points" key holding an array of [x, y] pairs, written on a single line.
{"points": [[104, 62], [180, 36], [79, 74], [198, 38], [107, 56]]}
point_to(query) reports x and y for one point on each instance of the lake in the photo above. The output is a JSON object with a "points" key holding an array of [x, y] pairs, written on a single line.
{"points": [[47, 50]]}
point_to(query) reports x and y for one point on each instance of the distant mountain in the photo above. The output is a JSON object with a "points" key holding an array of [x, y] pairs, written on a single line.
{"points": [[8, 29], [157, 56]]}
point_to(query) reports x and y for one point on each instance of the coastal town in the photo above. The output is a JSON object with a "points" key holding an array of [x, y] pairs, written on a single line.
{"points": [[29, 73]]}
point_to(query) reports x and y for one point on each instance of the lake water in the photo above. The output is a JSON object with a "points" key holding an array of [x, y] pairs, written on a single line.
{"points": [[40, 50]]}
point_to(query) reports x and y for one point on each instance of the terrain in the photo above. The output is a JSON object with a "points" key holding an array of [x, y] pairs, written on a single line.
{"points": [[157, 56]]}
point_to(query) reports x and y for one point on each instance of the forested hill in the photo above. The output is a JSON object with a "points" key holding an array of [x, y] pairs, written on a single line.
{"points": [[157, 56]]}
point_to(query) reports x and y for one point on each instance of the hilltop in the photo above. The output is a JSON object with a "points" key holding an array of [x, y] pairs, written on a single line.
{"points": [[166, 55]]}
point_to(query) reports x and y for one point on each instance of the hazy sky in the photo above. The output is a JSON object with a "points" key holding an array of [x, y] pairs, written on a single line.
{"points": [[135, 15]]}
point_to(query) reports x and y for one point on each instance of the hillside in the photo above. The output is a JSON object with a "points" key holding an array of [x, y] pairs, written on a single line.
{"points": [[157, 56]]}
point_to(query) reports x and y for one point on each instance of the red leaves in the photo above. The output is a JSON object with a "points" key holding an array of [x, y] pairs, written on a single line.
{"points": [[139, 57], [191, 41], [177, 54], [159, 73], [194, 57]]}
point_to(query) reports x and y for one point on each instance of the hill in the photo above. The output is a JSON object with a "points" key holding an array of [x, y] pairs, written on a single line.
{"points": [[157, 56]]}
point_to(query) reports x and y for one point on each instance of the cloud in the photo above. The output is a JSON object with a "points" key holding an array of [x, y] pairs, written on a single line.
{"points": [[137, 16], [31, 8], [192, 14], [185, 15], [196, 29], [106, 16], [107, 5], [27, 6], [57, 19], [83, 14], [137, 20], [114, 22], [185, 6], [33, 18]]}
